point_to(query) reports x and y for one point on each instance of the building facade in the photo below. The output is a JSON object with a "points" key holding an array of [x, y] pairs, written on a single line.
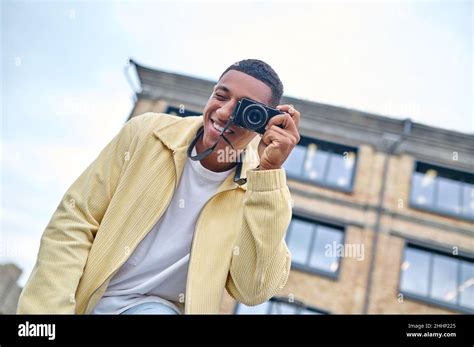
{"points": [[383, 209]]}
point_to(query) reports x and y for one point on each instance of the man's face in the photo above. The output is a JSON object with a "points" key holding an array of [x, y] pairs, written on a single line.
{"points": [[233, 86]]}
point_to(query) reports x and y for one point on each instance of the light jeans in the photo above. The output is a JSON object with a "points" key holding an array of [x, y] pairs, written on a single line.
{"points": [[150, 308]]}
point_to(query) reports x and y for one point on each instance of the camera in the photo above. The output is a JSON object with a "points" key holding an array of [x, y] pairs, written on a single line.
{"points": [[253, 115]]}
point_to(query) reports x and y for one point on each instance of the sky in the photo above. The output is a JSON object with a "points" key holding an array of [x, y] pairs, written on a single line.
{"points": [[64, 94]]}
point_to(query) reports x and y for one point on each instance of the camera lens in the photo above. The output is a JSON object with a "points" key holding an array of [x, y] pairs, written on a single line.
{"points": [[254, 116]]}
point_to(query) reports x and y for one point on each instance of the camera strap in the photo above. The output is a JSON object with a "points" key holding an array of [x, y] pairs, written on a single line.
{"points": [[206, 152]]}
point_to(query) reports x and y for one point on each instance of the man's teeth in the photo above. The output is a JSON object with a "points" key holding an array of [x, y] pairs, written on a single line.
{"points": [[218, 127]]}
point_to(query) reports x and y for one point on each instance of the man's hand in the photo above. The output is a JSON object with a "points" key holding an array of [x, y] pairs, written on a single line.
{"points": [[280, 137]]}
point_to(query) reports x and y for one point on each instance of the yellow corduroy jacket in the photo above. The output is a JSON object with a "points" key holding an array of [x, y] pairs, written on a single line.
{"points": [[238, 241]]}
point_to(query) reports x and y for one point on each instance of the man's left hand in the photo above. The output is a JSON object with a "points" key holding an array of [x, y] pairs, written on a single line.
{"points": [[280, 137]]}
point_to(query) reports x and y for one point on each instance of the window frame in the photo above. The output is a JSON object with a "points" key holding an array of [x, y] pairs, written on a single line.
{"points": [[433, 249], [432, 208], [305, 141], [313, 270]]}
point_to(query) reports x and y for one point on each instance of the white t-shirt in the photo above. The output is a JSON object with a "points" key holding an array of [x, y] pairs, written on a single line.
{"points": [[157, 270]]}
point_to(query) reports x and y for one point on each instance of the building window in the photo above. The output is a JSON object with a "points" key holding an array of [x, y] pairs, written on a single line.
{"points": [[438, 278], [442, 190], [322, 162], [279, 305], [315, 247], [181, 111]]}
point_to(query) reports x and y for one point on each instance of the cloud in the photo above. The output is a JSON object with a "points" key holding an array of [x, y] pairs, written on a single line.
{"points": [[37, 171], [19, 240], [396, 58]]}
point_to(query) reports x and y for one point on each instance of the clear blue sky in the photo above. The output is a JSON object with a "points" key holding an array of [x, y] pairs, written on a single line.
{"points": [[64, 94]]}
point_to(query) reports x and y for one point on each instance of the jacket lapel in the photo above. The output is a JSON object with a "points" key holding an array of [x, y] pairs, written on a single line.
{"points": [[178, 134]]}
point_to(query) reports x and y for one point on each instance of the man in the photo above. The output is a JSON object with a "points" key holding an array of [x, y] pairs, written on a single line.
{"points": [[145, 229]]}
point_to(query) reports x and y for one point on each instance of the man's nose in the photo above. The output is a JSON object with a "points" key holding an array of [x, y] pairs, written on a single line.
{"points": [[224, 113]]}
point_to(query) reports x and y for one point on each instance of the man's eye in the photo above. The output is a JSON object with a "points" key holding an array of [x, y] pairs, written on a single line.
{"points": [[219, 96]]}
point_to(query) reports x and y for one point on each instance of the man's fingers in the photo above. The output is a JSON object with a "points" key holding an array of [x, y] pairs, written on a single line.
{"points": [[269, 136], [277, 134], [290, 109], [293, 137], [286, 124], [285, 108], [284, 119]]}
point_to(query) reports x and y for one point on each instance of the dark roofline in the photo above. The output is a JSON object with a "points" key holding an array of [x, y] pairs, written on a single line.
{"points": [[308, 103], [173, 74]]}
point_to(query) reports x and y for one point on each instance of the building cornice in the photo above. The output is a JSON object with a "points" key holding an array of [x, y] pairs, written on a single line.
{"points": [[333, 123]]}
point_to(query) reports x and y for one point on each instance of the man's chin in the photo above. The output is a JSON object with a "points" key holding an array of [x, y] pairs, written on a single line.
{"points": [[207, 141]]}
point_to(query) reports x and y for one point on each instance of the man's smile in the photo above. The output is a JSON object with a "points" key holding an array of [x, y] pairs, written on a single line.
{"points": [[215, 128]]}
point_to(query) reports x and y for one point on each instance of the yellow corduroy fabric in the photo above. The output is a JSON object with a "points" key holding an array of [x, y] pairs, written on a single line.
{"points": [[238, 241]]}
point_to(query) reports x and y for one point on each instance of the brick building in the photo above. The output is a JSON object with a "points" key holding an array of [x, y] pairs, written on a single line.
{"points": [[383, 217]]}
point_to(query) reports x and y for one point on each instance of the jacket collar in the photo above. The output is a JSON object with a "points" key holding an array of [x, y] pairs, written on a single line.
{"points": [[177, 133]]}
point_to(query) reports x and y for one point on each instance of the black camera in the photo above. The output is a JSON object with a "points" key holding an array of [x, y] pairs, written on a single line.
{"points": [[253, 115]]}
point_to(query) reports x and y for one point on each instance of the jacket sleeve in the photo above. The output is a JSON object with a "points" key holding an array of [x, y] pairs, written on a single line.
{"points": [[68, 237], [261, 261]]}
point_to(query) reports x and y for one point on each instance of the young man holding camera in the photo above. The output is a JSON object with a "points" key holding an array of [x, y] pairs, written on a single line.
{"points": [[160, 223]]}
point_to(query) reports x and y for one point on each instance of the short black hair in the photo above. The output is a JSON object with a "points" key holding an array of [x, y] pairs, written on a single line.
{"points": [[263, 72]]}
